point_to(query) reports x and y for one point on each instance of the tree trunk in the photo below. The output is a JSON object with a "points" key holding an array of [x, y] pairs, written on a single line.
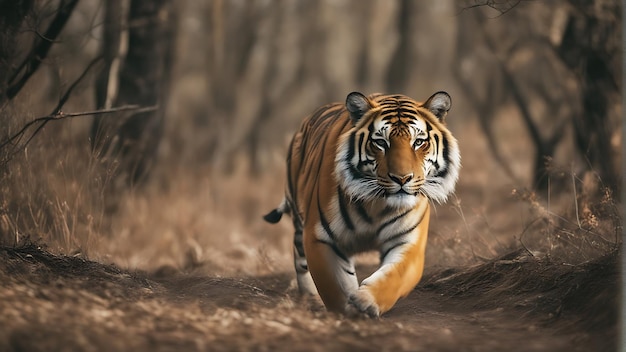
{"points": [[114, 49], [143, 80], [12, 13], [591, 47]]}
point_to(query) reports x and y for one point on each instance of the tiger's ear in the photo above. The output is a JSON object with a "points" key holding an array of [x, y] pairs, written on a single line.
{"points": [[357, 104], [439, 104]]}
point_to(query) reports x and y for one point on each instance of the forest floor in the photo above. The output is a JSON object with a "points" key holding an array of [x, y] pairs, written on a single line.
{"points": [[513, 303]]}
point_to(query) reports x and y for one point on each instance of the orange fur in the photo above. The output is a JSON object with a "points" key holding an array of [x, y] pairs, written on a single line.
{"points": [[402, 277]]}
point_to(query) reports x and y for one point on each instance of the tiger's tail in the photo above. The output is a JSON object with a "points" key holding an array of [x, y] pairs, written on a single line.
{"points": [[275, 215]]}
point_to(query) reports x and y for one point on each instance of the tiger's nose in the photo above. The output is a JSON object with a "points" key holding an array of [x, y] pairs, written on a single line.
{"points": [[401, 180]]}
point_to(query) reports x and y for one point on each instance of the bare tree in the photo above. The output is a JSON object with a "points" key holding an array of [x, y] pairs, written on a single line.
{"points": [[586, 48], [139, 75], [592, 48], [13, 76], [12, 14]]}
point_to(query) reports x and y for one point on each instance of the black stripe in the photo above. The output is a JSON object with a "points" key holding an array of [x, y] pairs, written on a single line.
{"points": [[323, 112], [401, 233], [354, 172], [362, 212], [323, 220], [436, 162], [396, 236], [343, 209], [392, 220], [291, 187], [345, 123], [410, 109], [445, 149], [321, 159], [330, 234], [428, 131], [361, 135], [350, 153], [298, 244], [336, 250], [444, 172], [385, 253], [389, 103], [386, 211], [401, 111], [325, 223]]}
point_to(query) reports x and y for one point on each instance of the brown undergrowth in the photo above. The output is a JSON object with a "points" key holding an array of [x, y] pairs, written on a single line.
{"points": [[515, 302], [186, 262]]}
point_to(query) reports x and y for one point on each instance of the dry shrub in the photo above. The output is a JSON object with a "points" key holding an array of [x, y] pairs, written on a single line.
{"points": [[181, 220], [53, 191], [572, 226]]}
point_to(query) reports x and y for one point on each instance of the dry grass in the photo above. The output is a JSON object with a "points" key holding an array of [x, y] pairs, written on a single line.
{"points": [[188, 221], [54, 193], [192, 218], [213, 276]]}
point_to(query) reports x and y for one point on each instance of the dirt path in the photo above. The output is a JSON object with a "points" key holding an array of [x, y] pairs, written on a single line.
{"points": [[515, 303]]}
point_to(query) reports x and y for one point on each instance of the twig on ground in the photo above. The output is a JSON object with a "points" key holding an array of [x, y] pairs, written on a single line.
{"points": [[575, 199]]}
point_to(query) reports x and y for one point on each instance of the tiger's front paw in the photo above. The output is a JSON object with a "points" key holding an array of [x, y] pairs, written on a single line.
{"points": [[362, 303]]}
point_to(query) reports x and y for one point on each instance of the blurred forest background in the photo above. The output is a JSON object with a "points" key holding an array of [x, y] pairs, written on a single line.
{"points": [[183, 111]]}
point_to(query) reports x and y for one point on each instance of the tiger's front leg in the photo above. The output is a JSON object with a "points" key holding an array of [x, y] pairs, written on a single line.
{"points": [[332, 271], [400, 271]]}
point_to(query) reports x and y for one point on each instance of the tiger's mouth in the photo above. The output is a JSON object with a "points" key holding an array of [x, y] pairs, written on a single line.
{"points": [[395, 190], [400, 193], [401, 198]]}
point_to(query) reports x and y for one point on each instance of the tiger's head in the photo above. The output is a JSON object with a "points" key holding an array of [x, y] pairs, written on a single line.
{"points": [[397, 150]]}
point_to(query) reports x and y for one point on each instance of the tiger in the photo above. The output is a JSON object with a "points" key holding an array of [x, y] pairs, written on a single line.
{"points": [[361, 177]]}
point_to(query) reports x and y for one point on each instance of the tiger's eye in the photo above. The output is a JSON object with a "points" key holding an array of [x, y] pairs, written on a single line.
{"points": [[380, 143], [418, 143]]}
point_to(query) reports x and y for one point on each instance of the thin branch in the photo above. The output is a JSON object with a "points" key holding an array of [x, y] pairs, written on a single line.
{"points": [[60, 115], [502, 6], [17, 137], [30, 65], [521, 236], [575, 199], [68, 92]]}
